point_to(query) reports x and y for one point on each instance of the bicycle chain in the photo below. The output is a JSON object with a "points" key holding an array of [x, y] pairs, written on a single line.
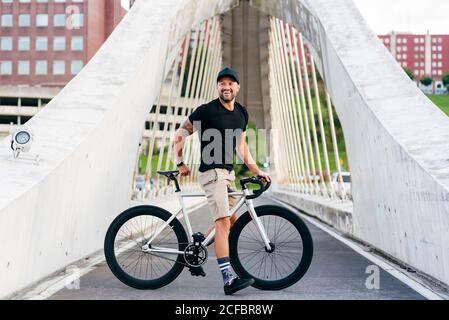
{"points": [[183, 263]]}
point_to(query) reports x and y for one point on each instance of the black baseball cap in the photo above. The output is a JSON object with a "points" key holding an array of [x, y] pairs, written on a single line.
{"points": [[228, 72]]}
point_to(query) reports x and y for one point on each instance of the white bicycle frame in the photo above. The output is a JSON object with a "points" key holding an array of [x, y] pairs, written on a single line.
{"points": [[243, 200]]}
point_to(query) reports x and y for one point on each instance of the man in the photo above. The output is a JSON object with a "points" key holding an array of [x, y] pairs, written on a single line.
{"points": [[221, 124]]}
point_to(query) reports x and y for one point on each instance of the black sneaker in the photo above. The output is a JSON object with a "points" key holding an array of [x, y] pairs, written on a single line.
{"points": [[197, 271], [237, 284]]}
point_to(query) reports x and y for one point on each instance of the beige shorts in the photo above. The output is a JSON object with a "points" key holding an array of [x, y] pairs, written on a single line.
{"points": [[216, 183]]}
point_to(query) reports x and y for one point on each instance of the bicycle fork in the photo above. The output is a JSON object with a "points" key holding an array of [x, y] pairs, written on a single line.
{"points": [[256, 219]]}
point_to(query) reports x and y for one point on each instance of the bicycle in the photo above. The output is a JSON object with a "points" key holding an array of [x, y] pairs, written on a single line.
{"points": [[147, 247]]}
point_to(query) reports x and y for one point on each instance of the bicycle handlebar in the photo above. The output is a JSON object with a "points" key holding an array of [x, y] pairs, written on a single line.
{"points": [[171, 175], [256, 180]]}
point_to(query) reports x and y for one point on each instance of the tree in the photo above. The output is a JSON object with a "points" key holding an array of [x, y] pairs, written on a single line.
{"points": [[445, 79], [409, 73], [426, 80]]}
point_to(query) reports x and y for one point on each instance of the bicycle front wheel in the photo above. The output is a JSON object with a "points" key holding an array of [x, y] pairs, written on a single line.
{"points": [[291, 254], [124, 242]]}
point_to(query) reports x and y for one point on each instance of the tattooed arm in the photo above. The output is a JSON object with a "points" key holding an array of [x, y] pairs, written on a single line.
{"points": [[185, 130]]}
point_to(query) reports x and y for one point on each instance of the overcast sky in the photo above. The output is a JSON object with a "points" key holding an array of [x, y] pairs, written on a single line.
{"points": [[125, 3], [415, 16]]}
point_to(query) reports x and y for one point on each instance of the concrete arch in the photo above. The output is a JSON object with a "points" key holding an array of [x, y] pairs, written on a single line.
{"points": [[397, 140]]}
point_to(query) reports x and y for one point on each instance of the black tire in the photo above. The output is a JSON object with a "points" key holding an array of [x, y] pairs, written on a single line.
{"points": [[245, 243], [132, 219]]}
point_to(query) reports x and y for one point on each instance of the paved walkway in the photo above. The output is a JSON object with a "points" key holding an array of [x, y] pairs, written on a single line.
{"points": [[337, 272]]}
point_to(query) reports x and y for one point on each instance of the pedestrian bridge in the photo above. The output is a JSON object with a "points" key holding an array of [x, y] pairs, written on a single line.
{"points": [[346, 136]]}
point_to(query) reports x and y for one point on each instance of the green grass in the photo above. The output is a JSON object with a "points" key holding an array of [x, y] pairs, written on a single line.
{"points": [[441, 100], [143, 160]]}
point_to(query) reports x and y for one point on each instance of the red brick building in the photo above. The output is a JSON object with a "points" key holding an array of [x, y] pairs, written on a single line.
{"points": [[47, 42], [423, 54]]}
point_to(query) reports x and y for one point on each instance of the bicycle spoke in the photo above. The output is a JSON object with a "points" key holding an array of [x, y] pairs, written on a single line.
{"points": [[131, 237], [280, 263]]}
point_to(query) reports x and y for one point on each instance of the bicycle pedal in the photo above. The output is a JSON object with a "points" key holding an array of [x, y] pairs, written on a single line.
{"points": [[197, 272], [198, 237]]}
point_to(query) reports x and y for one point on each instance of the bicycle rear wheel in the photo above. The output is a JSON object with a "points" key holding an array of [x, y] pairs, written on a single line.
{"points": [[290, 238], [126, 236]]}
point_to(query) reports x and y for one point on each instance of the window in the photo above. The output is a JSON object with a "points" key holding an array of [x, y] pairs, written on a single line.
{"points": [[416, 72], [24, 20], [5, 67], [416, 40], [404, 56], [440, 64], [434, 64], [434, 48], [387, 40], [422, 64], [6, 43], [440, 56], [41, 43], [7, 1], [25, 1], [42, 20], [41, 67], [422, 48], [416, 64], [59, 20], [440, 48], [24, 43], [77, 43], [58, 67], [77, 20], [421, 40], [59, 43], [399, 40], [6, 20], [440, 73], [399, 49], [43, 1], [76, 66], [404, 64], [399, 57], [404, 41], [24, 67], [404, 48]]}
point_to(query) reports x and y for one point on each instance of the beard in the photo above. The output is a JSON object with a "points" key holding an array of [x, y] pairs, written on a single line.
{"points": [[228, 97]]}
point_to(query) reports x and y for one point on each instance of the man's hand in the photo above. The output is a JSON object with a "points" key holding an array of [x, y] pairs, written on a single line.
{"points": [[184, 170], [263, 175]]}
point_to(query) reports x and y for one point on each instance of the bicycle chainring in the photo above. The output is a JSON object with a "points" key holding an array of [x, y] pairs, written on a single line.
{"points": [[195, 255]]}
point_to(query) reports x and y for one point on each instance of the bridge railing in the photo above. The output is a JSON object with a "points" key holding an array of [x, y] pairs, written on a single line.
{"points": [[308, 147], [190, 79]]}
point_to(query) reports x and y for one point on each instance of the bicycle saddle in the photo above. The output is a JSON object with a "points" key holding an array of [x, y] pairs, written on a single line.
{"points": [[168, 174]]}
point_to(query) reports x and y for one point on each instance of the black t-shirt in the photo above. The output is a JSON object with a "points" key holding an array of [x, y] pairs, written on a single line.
{"points": [[218, 130]]}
